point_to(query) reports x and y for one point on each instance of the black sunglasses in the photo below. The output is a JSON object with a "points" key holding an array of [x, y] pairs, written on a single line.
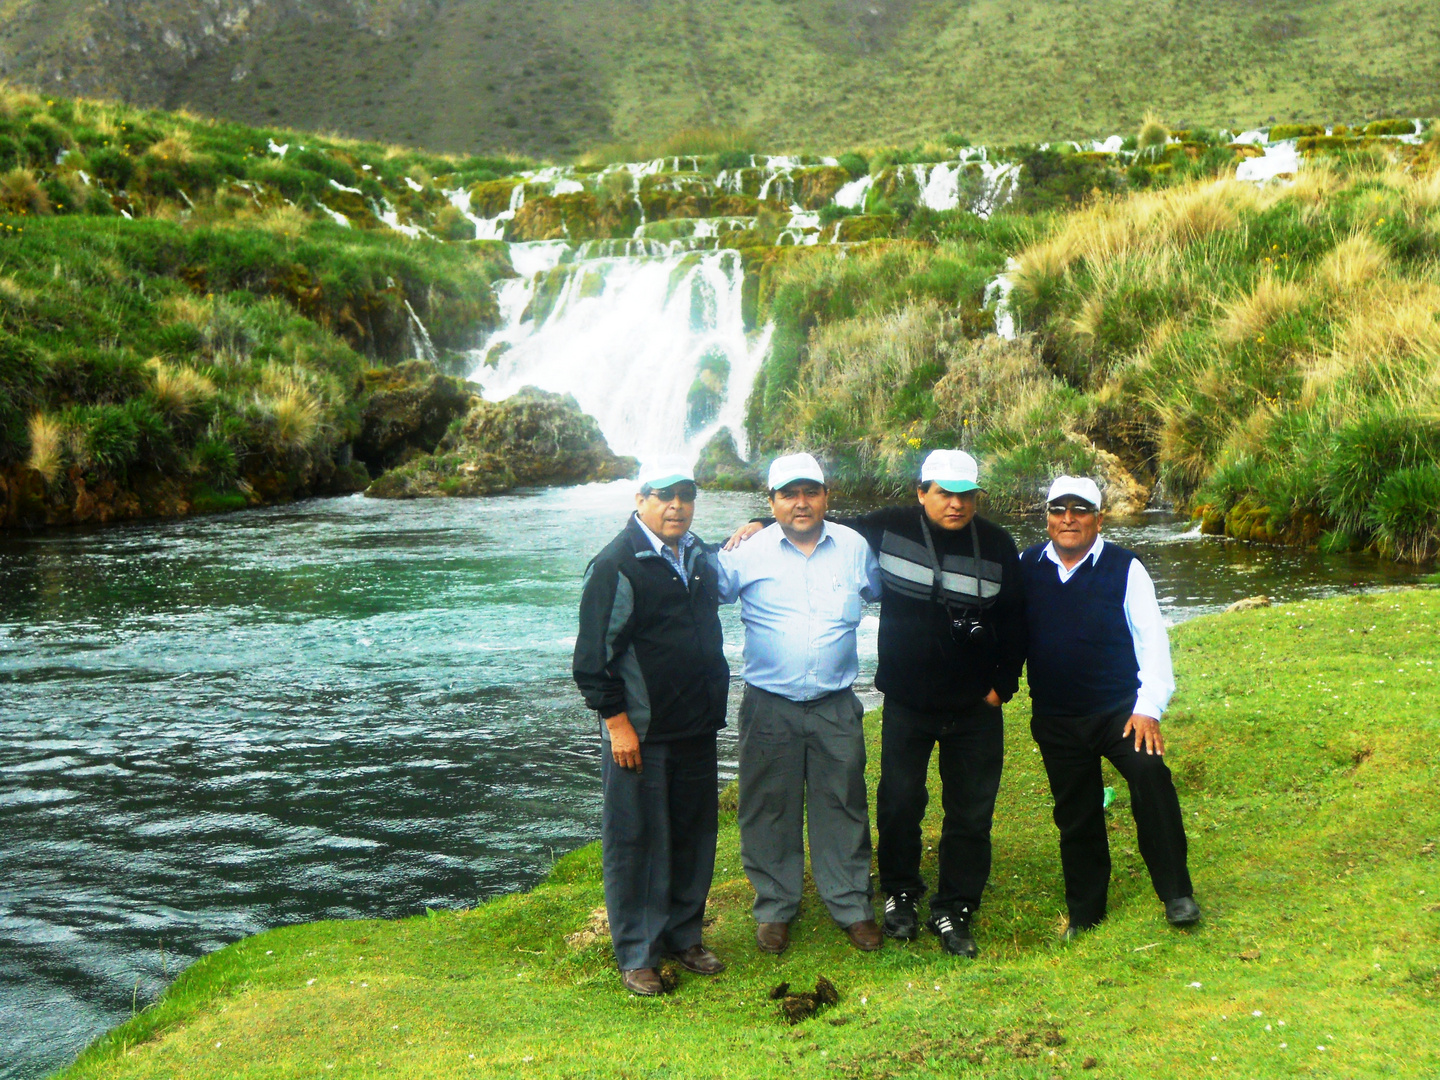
{"points": [[1078, 509], [684, 492]]}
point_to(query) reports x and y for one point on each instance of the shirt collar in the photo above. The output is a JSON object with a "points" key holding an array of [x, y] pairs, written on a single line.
{"points": [[824, 535], [1093, 554], [658, 544]]}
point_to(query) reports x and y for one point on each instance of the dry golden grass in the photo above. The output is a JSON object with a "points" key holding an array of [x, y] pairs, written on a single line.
{"points": [[178, 389], [1353, 262], [284, 220], [187, 308], [1248, 317], [297, 417], [1387, 347], [21, 193], [47, 442], [13, 294], [174, 147]]}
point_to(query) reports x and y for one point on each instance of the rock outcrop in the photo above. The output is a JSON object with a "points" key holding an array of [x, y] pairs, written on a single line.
{"points": [[721, 467], [534, 438], [409, 409]]}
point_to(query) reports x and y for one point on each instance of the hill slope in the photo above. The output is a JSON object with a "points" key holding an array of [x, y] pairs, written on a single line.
{"points": [[1305, 753], [554, 76]]}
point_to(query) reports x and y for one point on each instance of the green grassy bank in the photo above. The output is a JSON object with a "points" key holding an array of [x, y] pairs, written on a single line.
{"points": [[1304, 742]]}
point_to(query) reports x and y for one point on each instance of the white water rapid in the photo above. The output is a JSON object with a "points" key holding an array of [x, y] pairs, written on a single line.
{"points": [[651, 343]]}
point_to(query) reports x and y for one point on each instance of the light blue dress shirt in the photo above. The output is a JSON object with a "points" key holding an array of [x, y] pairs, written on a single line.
{"points": [[800, 613], [677, 563]]}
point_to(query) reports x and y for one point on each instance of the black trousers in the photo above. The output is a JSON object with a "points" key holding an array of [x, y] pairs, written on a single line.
{"points": [[1071, 748], [972, 750], [657, 847]]}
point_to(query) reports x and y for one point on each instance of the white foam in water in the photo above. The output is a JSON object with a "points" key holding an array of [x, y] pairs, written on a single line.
{"points": [[998, 293], [626, 336], [1281, 159]]}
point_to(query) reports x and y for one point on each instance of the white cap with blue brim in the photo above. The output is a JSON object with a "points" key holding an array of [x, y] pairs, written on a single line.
{"points": [[665, 472], [954, 470]]}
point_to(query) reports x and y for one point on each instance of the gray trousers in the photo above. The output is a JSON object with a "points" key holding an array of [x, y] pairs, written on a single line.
{"points": [[657, 847], [794, 757]]}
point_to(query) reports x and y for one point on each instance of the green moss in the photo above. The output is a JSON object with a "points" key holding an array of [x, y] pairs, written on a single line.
{"points": [[1393, 126], [1294, 131]]}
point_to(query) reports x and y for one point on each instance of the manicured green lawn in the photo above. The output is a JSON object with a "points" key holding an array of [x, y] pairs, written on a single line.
{"points": [[1304, 740]]}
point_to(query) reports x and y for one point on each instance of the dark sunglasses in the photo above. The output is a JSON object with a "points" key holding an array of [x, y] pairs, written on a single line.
{"points": [[1078, 509], [683, 492]]}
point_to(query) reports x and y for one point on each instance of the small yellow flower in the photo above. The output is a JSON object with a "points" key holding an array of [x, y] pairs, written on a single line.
{"points": [[914, 443]]}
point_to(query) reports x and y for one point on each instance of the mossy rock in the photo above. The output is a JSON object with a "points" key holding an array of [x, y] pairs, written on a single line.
{"points": [[575, 216], [861, 227], [1253, 524], [1294, 131], [1391, 126], [815, 188], [1312, 143], [533, 438], [720, 466], [491, 197], [408, 407], [356, 210]]}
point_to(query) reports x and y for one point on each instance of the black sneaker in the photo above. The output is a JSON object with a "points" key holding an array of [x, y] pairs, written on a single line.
{"points": [[954, 932], [901, 922]]}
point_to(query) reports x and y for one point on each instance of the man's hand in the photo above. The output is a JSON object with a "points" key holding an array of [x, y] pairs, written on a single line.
{"points": [[1147, 731], [992, 698], [743, 533], [624, 743]]}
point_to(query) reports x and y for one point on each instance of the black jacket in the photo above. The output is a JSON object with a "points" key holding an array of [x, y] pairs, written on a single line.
{"points": [[922, 665], [650, 645]]}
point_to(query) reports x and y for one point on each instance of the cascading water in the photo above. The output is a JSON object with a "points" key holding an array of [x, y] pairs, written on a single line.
{"points": [[653, 344]]}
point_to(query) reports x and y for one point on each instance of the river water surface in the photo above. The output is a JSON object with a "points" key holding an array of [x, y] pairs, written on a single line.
{"points": [[341, 708]]}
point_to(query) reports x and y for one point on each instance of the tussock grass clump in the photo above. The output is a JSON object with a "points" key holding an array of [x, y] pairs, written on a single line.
{"points": [[47, 444], [179, 390], [1355, 261], [21, 193], [1248, 317]]}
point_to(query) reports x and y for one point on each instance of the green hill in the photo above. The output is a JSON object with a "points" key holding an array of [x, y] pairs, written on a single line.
{"points": [[1304, 742], [553, 77]]}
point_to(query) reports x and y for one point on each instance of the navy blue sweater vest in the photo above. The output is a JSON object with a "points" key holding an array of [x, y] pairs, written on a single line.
{"points": [[1081, 657]]}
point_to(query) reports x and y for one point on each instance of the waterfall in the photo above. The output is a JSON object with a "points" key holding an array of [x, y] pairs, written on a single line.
{"points": [[652, 344]]}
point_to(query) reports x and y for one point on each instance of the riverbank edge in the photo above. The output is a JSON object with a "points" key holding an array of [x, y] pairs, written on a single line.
{"points": [[558, 915]]}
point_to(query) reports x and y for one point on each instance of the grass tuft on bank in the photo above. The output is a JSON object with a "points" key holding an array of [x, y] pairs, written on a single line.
{"points": [[1304, 743]]}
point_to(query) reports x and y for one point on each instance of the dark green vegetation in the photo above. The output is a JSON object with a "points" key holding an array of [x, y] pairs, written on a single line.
{"points": [[1304, 743], [1269, 356], [207, 354], [558, 76]]}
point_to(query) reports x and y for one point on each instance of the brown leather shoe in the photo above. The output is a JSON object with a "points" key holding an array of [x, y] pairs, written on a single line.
{"points": [[865, 935], [772, 937], [700, 960], [642, 982]]}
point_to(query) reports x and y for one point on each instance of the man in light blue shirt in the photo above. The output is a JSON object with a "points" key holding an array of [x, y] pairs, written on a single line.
{"points": [[800, 584]]}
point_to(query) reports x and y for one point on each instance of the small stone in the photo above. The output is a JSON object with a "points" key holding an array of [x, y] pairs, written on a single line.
{"points": [[1089, 1063]]}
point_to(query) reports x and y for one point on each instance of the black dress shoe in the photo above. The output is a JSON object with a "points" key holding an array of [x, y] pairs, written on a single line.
{"points": [[642, 982], [1182, 912], [954, 932], [700, 960], [901, 921]]}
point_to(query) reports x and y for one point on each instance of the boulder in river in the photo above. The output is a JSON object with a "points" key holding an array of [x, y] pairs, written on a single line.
{"points": [[409, 409], [533, 438], [721, 467]]}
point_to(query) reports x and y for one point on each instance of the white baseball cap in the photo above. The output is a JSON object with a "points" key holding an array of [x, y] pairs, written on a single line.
{"points": [[665, 472], [954, 470], [1081, 487], [791, 467]]}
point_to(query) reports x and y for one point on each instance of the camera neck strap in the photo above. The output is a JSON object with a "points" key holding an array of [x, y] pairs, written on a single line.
{"points": [[937, 586]]}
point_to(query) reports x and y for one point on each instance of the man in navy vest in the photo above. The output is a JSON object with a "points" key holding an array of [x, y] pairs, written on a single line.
{"points": [[1098, 664]]}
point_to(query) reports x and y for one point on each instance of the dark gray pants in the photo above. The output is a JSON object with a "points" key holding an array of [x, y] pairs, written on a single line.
{"points": [[657, 838], [797, 757]]}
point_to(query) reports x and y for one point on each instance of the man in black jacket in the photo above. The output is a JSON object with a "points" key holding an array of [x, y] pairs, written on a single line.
{"points": [[951, 647], [649, 658]]}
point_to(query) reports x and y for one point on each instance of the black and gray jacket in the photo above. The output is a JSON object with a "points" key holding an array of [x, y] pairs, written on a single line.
{"points": [[649, 644], [922, 665]]}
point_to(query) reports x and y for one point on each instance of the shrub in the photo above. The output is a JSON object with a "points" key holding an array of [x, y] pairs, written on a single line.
{"points": [[1405, 514], [1152, 136], [732, 159], [114, 167], [10, 153], [21, 193], [1365, 452], [855, 164]]}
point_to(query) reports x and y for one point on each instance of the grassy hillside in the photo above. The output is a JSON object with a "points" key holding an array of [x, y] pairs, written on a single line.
{"points": [[557, 76], [1304, 743]]}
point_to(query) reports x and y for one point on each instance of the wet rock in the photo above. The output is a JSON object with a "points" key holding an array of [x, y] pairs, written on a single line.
{"points": [[409, 409], [1248, 604], [720, 466], [534, 438]]}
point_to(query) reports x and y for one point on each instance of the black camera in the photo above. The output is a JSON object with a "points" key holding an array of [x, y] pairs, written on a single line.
{"points": [[968, 628]]}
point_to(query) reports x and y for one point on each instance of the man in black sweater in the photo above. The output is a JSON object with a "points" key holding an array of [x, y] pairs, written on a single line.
{"points": [[951, 647], [650, 660]]}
